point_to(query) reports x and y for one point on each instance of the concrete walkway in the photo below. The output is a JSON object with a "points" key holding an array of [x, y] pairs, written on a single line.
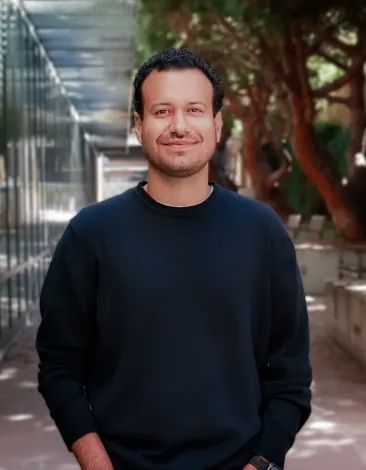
{"points": [[334, 437]]}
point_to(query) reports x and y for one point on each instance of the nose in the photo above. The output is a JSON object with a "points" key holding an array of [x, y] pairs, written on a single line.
{"points": [[179, 124]]}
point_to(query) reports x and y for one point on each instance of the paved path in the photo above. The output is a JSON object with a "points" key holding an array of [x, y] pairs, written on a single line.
{"points": [[28, 438], [334, 437]]}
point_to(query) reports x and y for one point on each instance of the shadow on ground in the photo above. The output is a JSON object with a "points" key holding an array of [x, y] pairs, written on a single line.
{"points": [[28, 438], [335, 435]]}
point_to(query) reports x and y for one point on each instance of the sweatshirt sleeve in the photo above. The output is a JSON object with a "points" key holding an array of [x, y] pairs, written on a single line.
{"points": [[288, 375], [65, 336]]}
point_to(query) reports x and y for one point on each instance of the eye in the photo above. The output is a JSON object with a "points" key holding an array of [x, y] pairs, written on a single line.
{"points": [[161, 112], [195, 110]]}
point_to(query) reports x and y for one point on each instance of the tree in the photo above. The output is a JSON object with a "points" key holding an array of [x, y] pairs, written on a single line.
{"points": [[275, 40]]}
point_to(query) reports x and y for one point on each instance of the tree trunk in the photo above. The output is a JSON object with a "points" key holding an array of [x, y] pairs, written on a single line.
{"points": [[356, 187], [317, 163], [358, 120], [320, 168], [260, 173]]}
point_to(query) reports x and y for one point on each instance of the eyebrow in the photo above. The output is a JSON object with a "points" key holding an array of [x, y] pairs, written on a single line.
{"points": [[154, 105], [201, 103]]}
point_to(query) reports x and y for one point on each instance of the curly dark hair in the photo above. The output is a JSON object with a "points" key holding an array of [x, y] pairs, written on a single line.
{"points": [[177, 59]]}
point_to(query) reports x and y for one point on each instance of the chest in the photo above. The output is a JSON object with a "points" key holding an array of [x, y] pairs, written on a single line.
{"points": [[180, 263], [183, 285]]}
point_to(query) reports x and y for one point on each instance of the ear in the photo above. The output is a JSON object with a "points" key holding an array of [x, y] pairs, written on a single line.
{"points": [[218, 125], [138, 127]]}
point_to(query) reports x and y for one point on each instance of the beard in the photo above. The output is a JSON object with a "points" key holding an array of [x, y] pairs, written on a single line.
{"points": [[180, 164]]}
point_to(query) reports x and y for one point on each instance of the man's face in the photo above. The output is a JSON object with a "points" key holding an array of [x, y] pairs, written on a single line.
{"points": [[178, 131]]}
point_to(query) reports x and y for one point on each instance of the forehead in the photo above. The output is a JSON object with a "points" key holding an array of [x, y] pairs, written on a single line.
{"points": [[177, 87]]}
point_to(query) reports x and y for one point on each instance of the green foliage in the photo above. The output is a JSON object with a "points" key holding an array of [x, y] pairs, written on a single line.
{"points": [[301, 194], [152, 33], [228, 121], [338, 147], [220, 7], [321, 71], [296, 188], [162, 23]]}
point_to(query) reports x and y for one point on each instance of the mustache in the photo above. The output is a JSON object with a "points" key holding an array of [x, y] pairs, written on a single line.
{"points": [[166, 140]]}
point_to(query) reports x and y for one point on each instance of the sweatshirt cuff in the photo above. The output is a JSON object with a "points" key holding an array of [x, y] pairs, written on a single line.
{"points": [[274, 443], [75, 421]]}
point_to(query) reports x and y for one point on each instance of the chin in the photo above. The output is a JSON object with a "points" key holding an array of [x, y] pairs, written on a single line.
{"points": [[178, 166], [182, 171]]}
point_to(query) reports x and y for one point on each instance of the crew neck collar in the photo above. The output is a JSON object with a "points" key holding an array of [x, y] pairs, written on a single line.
{"points": [[176, 210]]}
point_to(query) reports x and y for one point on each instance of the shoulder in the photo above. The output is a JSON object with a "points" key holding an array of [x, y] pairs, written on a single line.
{"points": [[102, 215], [260, 225], [251, 212]]}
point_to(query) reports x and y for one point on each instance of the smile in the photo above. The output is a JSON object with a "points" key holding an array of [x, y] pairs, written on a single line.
{"points": [[180, 145]]}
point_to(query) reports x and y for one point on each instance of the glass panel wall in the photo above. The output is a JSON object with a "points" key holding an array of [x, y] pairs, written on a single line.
{"points": [[47, 167]]}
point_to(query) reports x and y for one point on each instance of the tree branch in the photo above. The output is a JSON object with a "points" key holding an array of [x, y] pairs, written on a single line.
{"points": [[331, 59], [235, 105], [220, 47], [269, 58], [346, 101], [326, 33], [353, 70], [303, 74], [218, 55], [240, 42], [275, 177], [335, 42]]}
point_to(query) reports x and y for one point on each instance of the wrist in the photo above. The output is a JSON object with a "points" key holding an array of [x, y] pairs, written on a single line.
{"points": [[260, 463], [91, 453]]}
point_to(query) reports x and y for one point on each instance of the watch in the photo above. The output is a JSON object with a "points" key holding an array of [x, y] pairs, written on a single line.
{"points": [[261, 464]]}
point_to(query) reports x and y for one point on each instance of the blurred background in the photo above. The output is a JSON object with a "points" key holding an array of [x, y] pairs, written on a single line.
{"points": [[294, 137]]}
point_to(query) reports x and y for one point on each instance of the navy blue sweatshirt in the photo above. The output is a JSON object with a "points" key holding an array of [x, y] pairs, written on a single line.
{"points": [[179, 335]]}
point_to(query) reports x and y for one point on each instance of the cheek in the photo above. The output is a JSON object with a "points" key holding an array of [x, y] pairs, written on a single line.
{"points": [[208, 128], [210, 135], [151, 132], [149, 137]]}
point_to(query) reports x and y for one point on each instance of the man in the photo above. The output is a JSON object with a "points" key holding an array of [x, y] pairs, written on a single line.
{"points": [[174, 329]]}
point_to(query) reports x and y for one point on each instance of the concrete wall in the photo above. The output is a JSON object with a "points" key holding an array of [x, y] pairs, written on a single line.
{"points": [[346, 316], [318, 264]]}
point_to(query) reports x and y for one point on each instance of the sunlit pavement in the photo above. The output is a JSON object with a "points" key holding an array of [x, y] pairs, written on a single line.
{"points": [[28, 438], [334, 437]]}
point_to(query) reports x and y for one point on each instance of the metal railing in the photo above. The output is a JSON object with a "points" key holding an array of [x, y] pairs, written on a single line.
{"points": [[47, 166]]}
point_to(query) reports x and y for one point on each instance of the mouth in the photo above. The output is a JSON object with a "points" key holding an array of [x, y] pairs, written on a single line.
{"points": [[180, 145]]}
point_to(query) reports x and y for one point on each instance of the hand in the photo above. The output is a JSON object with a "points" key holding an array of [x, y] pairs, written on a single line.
{"points": [[249, 467]]}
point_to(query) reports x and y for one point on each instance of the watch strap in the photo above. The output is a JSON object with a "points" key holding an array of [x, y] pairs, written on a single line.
{"points": [[261, 464]]}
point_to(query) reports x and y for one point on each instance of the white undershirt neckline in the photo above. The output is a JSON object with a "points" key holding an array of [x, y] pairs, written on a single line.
{"points": [[197, 204]]}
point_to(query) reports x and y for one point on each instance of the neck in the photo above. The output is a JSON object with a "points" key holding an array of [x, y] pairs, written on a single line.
{"points": [[178, 191]]}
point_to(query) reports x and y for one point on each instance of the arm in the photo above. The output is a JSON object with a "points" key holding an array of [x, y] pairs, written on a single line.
{"points": [[91, 454], [65, 342], [287, 378]]}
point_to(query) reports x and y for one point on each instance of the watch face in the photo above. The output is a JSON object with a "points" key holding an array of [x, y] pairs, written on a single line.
{"points": [[272, 466]]}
